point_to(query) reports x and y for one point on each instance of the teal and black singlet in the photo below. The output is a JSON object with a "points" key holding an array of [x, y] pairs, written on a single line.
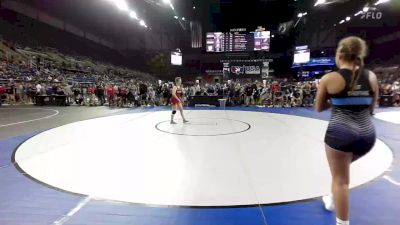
{"points": [[350, 128]]}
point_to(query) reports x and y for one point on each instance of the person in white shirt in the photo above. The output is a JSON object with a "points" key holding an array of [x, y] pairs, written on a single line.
{"points": [[197, 89], [38, 88], [396, 93], [396, 87]]}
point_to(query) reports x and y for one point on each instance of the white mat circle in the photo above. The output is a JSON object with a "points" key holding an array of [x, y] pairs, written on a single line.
{"points": [[124, 158]]}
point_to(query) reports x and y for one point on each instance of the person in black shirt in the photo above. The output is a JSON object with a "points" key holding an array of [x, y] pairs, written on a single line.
{"points": [[220, 91], [210, 90], [159, 93], [77, 96], [54, 89], [256, 94], [143, 93], [100, 94], [131, 97], [248, 94], [11, 93]]}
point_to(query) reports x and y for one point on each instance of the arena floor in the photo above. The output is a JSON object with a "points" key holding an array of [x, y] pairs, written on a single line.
{"points": [[244, 166]]}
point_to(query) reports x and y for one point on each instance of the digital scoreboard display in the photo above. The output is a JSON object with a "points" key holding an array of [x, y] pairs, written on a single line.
{"points": [[176, 58], [215, 42], [301, 55], [238, 41], [262, 40]]}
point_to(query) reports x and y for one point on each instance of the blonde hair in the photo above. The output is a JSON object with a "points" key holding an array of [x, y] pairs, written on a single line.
{"points": [[353, 50], [177, 79]]}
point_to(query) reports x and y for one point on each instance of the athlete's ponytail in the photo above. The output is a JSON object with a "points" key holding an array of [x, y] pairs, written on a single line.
{"points": [[359, 62], [353, 50]]}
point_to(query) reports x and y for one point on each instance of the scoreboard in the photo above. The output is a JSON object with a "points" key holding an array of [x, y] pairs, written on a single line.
{"points": [[238, 41]]}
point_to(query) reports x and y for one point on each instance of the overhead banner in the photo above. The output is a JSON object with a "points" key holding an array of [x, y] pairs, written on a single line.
{"points": [[249, 70], [245, 70], [322, 61]]}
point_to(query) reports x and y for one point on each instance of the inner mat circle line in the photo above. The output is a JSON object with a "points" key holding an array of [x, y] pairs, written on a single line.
{"points": [[56, 112], [205, 135]]}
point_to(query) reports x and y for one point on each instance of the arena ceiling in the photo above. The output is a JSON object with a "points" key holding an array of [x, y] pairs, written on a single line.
{"points": [[101, 18], [270, 13], [105, 20]]}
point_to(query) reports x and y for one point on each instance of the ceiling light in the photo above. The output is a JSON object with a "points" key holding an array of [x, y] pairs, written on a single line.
{"points": [[133, 15], [320, 2], [142, 23], [176, 17], [305, 14], [167, 2], [183, 18], [194, 7], [359, 13], [381, 1], [300, 15], [342, 21], [366, 9], [121, 5], [348, 18]]}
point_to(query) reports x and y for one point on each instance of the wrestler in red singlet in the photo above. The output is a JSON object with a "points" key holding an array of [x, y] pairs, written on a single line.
{"points": [[177, 100]]}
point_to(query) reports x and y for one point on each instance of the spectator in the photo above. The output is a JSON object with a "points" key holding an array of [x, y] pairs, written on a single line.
{"points": [[111, 95], [11, 93], [100, 94], [396, 93], [2, 93], [92, 94], [38, 89], [248, 94]]}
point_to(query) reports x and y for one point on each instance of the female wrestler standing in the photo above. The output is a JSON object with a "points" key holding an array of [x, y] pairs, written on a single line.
{"points": [[176, 100], [353, 93]]}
